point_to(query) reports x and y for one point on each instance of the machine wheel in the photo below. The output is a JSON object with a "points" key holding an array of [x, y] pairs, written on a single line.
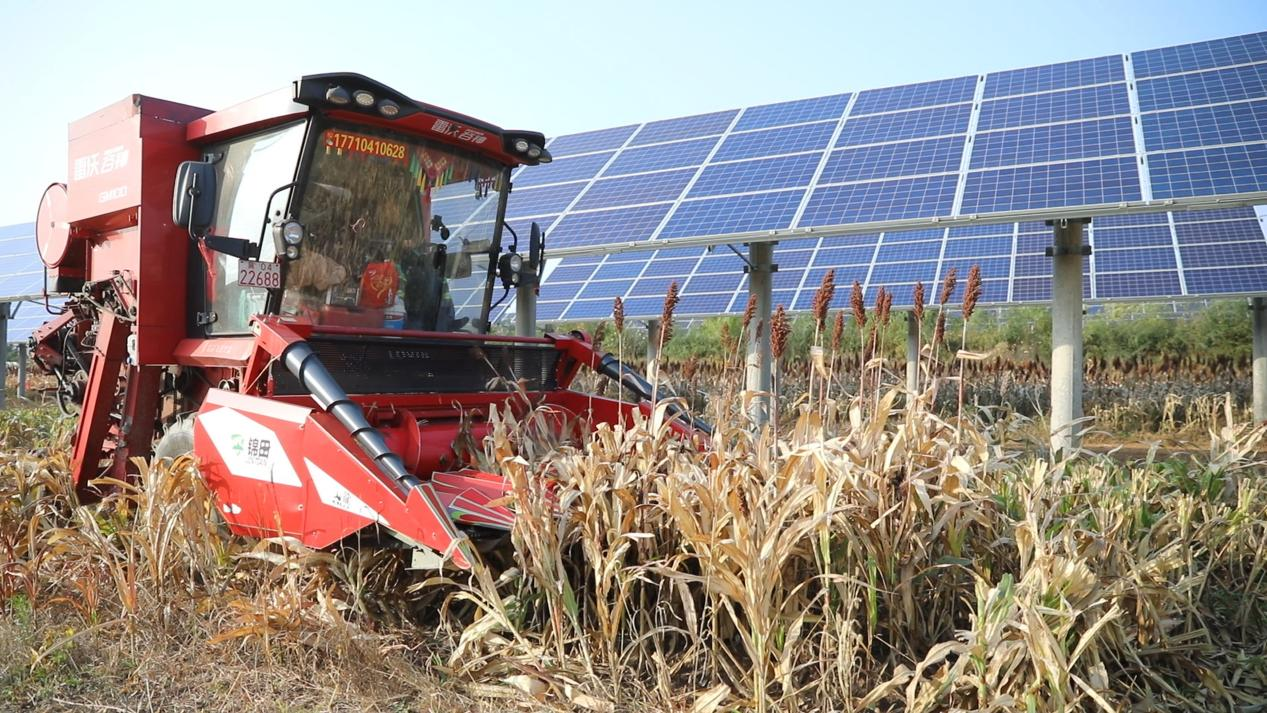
{"points": [[177, 440]]}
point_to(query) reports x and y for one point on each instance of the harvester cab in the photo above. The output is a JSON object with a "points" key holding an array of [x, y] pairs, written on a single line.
{"points": [[298, 291]]}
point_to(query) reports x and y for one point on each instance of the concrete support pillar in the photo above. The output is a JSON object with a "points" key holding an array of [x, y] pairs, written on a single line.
{"points": [[1258, 308], [912, 353], [759, 367], [1066, 334], [526, 309]]}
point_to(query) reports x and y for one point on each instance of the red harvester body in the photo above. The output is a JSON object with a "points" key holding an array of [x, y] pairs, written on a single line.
{"points": [[274, 288]]}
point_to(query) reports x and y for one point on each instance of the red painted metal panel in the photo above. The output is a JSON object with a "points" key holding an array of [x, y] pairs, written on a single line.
{"points": [[94, 417], [263, 111]]}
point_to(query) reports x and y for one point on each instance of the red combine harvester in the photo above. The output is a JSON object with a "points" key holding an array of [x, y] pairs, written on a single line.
{"points": [[286, 312]]}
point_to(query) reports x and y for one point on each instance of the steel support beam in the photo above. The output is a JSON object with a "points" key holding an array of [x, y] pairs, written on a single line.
{"points": [[526, 310], [912, 353], [1258, 308], [759, 367], [1066, 334]]}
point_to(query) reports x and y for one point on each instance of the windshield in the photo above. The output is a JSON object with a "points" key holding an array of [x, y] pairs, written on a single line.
{"points": [[383, 248]]}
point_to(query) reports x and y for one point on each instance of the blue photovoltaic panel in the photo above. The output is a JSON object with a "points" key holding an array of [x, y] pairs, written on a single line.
{"points": [[1223, 85], [1032, 243], [1100, 70], [1223, 231], [1201, 55], [607, 288], [844, 256], [917, 124], [619, 270], [1117, 221], [655, 286], [654, 158], [630, 190], [880, 200], [756, 175], [1091, 102], [1233, 169], [1133, 260], [1138, 284], [1200, 216], [945, 91], [969, 231], [901, 252], [899, 272], [1205, 126], [600, 140], [771, 142], [683, 128], [1031, 187], [723, 282], [589, 309], [608, 226], [1055, 142], [1133, 237], [539, 201], [735, 214], [548, 310], [571, 273], [793, 112], [21, 270], [1033, 265], [907, 158], [564, 169], [671, 266], [1234, 279], [991, 267], [979, 247], [794, 258], [1224, 254]]}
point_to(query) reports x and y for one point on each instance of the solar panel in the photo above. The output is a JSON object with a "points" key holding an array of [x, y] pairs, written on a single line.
{"points": [[1179, 254], [21, 271], [1100, 136]]}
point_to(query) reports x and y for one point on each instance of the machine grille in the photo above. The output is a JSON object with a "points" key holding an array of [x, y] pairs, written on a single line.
{"points": [[397, 365]]}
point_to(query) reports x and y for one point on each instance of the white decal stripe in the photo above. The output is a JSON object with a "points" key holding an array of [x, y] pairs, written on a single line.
{"points": [[332, 493], [249, 449]]}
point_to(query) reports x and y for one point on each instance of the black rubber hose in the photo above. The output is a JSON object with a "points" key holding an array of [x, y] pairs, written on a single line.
{"points": [[307, 367], [638, 385]]}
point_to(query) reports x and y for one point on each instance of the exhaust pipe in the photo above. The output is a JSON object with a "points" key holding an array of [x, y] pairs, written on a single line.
{"points": [[307, 367]]}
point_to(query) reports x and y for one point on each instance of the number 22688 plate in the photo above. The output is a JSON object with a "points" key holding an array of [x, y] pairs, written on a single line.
{"points": [[259, 274]]}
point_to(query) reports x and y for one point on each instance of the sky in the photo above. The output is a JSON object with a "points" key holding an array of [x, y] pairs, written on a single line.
{"points": [[554, 67]]}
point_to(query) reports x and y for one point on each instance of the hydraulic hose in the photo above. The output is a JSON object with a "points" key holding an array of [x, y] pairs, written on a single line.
{"points": [[307, 367], [637, 385]]}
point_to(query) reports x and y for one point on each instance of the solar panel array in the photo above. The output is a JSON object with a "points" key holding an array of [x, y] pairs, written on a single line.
{"points": [[1169, 124], [1146, 256], [22, 278], [21, 271]]}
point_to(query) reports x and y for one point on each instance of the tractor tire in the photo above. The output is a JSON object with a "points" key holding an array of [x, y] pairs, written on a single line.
{"points": [[177, 440]]}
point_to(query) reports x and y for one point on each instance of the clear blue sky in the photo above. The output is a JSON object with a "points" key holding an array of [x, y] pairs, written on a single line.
{"points": [[557, 67]]}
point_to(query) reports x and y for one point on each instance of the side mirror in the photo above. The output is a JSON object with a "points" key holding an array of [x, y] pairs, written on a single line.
{"points": [[536, 248], [194, 197]]}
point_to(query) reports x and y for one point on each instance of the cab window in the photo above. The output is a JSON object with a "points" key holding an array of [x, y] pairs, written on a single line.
{"points": [[248, 170]]}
